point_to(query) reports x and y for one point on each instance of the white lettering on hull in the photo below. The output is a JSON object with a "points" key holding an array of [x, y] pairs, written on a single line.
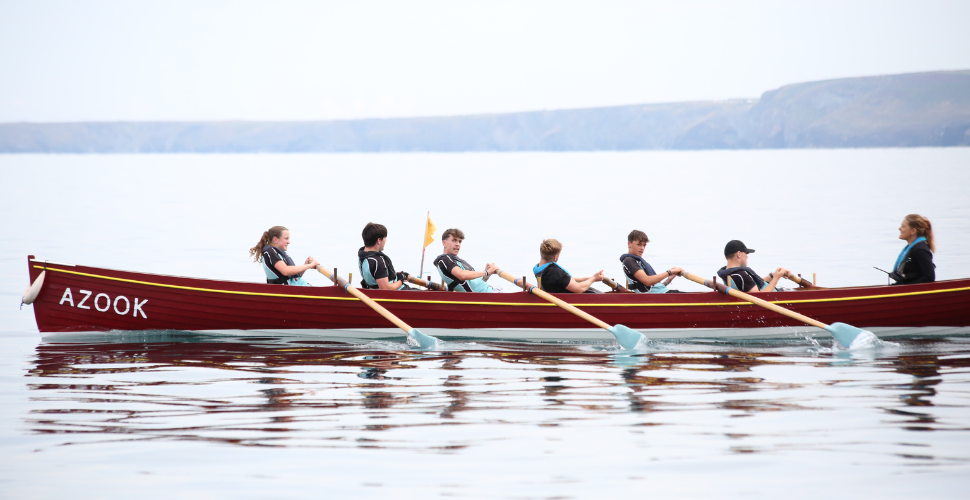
{"points": [[67, 296], [107, 302], [138, 308], [127, 305], [104, 298], [87, 295]]}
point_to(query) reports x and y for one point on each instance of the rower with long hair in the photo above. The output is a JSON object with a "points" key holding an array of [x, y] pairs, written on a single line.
{"points": [[915, 262], [277, 264]]}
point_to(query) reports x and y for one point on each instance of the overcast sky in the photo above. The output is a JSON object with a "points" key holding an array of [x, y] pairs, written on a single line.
{"points": [[195, 60]]}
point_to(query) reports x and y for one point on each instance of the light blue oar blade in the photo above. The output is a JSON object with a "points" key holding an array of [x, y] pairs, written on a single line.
{"points": [[424, 341], [844, 333], [627, 337]]}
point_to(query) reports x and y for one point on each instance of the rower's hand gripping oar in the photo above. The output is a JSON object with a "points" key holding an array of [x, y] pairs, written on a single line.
{"points": [[798, 280], [430, 285], [425, 341], [614, 285], [626, 337], [842, 332]]}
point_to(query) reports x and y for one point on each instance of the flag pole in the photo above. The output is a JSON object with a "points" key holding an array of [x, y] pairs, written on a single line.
{"points": [[424, 246], [421, 272]]}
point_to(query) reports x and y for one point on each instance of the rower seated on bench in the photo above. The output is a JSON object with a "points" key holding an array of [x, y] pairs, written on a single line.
{"points": [[459, 275], [277, 264], [376, 268], [736, 274], [554, 279], [640, 276]]}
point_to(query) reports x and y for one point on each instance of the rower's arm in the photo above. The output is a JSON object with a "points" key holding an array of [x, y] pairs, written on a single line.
{"points": [[385, 284], [577, 286], [775, 276], [642, 277], [291, 270], [465, 275]]}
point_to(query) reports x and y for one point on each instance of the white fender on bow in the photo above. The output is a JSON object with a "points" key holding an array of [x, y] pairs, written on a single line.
{"points": [[34, 289]]}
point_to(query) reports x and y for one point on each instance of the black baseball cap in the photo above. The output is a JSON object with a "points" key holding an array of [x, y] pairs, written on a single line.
{"points": [[735, 246]]}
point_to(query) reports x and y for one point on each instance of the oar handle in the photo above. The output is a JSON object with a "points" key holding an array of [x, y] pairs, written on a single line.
{"points": [[326, 272], [367, 300], [555, 300], [802, 282], [721, 287], [612, 284], [798, 280], [430, 285]]}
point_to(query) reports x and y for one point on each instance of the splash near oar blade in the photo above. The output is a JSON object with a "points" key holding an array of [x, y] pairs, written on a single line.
{"points": [[424, 341], [845, 334], [626, 337]]}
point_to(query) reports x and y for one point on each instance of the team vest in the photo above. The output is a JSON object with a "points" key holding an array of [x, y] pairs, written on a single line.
{"points": [[538, 271], [473, 285], [275, 277], [633, 283], [725, 274], [904, 258], [367, 279]]}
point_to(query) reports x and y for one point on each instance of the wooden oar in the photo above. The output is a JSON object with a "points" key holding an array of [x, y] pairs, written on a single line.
{"points": [[798, 280], [425, 341], [626, 337], [430, 285], [614, 285], [842, 332]]}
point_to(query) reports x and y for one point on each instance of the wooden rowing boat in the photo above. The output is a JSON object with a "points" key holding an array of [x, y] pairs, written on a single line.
{"points": [[70, 298]]}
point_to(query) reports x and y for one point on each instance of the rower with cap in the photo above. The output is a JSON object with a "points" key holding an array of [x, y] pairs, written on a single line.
{"points": [[743, 277]]}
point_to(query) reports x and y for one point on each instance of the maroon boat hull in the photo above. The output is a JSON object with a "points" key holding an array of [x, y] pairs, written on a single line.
{"points": [[85, 299]]}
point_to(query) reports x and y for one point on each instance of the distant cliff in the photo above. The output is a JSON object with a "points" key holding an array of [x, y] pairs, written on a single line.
{"points": [[910, 110]]}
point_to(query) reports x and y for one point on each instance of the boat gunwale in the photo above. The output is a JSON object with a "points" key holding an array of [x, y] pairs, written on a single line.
{"points": [[736, 302]]}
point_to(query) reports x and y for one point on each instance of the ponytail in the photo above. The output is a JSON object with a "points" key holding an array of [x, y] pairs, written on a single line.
{"points": [[923, 228], [256, 252]]}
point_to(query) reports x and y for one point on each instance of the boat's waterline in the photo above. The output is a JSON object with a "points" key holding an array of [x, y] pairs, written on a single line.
{"points": [[520, 334]]}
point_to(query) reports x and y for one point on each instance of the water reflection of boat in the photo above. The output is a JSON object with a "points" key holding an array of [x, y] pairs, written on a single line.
{"points": [[80, 298], [286, 391]]}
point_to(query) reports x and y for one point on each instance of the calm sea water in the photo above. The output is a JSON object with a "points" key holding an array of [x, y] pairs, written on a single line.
{"points": [[100, 416]]}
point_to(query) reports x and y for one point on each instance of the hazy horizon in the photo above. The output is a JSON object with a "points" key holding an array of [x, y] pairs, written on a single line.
{"points": [[303, 61]]}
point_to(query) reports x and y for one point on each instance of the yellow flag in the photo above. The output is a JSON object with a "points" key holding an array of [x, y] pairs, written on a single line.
{"points": [[429, 232]]}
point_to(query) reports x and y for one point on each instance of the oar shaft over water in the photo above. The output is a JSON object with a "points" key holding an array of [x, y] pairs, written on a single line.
{"points": [[367, 300], [534, 290], [721, 287]]}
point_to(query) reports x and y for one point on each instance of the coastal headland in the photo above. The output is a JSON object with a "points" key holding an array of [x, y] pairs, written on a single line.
{"points": [[906, 110]]}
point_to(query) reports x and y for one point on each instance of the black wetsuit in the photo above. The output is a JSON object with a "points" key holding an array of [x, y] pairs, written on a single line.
{"points": [[917, 267]]}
